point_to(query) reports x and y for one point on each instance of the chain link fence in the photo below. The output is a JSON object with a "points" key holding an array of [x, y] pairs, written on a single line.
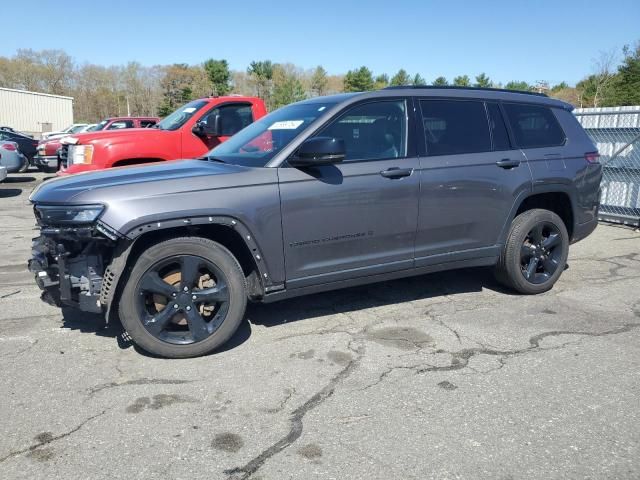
{"points": [[616, 133]]}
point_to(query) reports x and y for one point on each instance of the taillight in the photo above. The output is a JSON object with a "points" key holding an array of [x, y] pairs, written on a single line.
{"points": [[9, 146], [592, 157]]}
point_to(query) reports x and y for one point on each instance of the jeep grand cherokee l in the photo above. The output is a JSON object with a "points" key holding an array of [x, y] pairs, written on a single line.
{"points": [[322, 194]]}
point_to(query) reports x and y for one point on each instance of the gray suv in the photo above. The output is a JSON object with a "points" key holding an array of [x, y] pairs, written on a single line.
{"points": [[322, 194]]}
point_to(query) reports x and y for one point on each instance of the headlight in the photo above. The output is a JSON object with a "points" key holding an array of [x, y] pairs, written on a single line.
{"points": [[80, 154], [72, 214]]}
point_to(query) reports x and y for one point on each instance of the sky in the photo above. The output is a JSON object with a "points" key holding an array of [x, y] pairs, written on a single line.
{"points": [[509, 40]]}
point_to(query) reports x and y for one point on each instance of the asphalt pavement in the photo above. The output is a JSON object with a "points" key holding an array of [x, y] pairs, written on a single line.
{"points": [[443, 376]]}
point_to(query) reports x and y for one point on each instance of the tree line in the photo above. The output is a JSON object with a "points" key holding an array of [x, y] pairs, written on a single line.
{"points": [[103, 91]]}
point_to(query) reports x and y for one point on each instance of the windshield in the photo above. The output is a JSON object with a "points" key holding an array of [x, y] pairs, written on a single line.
{"points": [[258, 143], [180, 116], [77, 129], [99, 126]]}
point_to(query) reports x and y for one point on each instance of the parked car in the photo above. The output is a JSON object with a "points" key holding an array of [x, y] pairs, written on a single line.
{"points": [[9, 129], [3, 174], [322, 194], [50, 156], [75, 128], [11, 158], [27, 145], [189, 132], [120, 123]]}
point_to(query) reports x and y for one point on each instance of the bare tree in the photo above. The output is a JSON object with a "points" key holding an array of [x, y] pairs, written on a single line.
{"points": [[603, 74]]}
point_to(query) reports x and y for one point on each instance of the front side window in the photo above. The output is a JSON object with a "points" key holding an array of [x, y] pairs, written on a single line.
{"points": [[147, 123], [371, 131], [455, 126], [233, 117], [534, 126], [258, 143]]}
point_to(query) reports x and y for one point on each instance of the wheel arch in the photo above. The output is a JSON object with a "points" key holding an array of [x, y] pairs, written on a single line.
{"points": [[558, 198], [229, 232], [136, 161]]}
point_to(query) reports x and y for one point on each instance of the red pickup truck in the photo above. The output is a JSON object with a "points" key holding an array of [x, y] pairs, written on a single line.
{"points": [[189, 132], [47, 157]]}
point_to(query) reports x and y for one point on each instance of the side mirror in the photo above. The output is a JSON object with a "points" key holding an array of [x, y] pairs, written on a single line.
{"points": [[211, 128], [319, 151]]}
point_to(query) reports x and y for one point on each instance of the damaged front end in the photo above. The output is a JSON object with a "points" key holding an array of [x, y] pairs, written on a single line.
{"points": [[70, 255]]}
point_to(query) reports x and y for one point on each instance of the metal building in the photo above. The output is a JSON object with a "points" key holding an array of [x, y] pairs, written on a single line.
{"points": [[34, 112]]}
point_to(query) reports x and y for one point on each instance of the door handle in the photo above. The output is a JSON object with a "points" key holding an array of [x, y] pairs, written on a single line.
{"points": [[507, 163], [396, 172]]}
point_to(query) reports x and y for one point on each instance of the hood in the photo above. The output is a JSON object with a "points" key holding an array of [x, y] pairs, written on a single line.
{"points": [[113, 137], [135, 182]]}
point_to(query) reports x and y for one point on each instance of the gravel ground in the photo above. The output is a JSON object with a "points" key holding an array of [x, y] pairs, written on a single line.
{"points": [[441, 376]]}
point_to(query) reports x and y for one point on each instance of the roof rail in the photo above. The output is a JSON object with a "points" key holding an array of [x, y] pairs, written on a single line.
{"points": [[455, 87]]}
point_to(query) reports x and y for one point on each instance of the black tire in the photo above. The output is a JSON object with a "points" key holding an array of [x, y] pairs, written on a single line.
{"points": [[535, 253], [137, 299], [25, 166]]}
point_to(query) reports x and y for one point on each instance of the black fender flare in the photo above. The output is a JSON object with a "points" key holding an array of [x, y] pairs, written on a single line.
{"points": [[127, 242], [565, 188]]}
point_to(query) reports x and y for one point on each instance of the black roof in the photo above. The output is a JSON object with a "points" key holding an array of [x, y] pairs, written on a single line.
{"points": [[455, 87]]}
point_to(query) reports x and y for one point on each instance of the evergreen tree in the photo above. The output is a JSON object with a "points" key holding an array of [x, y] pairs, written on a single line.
{"points": [[219, 75], [440, 82], [515, 85], [319, 81], [401, 78], [483, 81], [358, 80], [418, 80], [462, 81]]}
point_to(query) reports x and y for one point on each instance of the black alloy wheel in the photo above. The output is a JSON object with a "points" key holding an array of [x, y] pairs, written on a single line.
{"points": [[183, 299]]}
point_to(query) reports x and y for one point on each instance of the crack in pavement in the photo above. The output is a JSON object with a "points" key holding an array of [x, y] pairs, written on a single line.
{"points": [[461, 358], [138, 381], [45, 439], [297, 416]]}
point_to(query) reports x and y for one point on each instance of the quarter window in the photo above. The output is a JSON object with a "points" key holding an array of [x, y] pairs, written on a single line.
{"points": [[372, 131], [121, 124], [534, 126], [455, 126]]}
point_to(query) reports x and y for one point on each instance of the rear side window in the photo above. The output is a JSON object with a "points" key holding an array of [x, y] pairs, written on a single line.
{"points": [[120, 124], [455, 126], [499, 133], [534, 126]]}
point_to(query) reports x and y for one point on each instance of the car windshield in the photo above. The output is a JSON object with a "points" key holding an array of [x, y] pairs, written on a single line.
{"points": [[77, 128], [181, 115], [99, 126], [258, 143]]}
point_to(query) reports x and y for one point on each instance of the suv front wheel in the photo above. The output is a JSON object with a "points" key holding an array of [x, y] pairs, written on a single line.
{"points": [[535, 253], [184, 297]]}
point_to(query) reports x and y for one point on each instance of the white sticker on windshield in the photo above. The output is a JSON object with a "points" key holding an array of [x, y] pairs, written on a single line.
{"points": [[189, 110], [286, 125]]}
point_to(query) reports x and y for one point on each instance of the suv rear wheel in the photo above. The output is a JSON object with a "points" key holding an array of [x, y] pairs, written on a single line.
{"points": [[184, 297], [535, 253]]}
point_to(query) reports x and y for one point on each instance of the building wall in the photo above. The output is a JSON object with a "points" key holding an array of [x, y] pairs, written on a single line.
{"points": [[31, 112]]}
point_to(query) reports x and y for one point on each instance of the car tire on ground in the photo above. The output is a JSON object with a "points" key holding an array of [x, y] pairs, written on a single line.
{"points": [[25, 166], [535, 253], [183, 297]]}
